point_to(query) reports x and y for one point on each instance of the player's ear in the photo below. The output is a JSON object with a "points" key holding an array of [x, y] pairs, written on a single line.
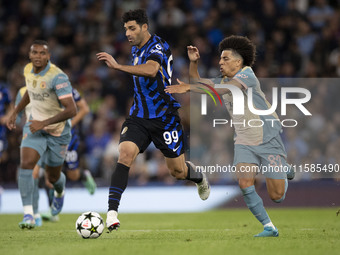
{"points": [[145, 27], [239, 62]]}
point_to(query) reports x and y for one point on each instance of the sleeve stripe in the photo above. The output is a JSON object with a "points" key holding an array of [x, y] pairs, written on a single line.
{"points": [[65, 96]]}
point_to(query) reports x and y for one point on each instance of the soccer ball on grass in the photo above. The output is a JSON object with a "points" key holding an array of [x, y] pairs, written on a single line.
{"points": [[89, 225]]}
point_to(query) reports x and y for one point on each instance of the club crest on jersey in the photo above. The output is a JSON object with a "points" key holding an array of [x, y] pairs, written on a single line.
{"points": [[43, 85], [34, 83], [135, 61]]}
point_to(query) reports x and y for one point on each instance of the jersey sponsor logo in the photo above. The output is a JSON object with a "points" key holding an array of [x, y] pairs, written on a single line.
{"points": [[156, 51], [43, 85], [38, 97], [61, 85], [241, 75]]}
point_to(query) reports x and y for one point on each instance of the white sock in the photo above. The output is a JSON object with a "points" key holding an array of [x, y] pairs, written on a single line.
{"points": [[56, 194], [28, 209], [37, 215], [270, 224]]}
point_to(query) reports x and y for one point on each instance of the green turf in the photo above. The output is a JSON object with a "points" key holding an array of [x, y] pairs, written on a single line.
{"points": [[302, 231]]}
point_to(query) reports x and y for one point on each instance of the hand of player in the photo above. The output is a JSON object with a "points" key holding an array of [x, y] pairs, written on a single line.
{"points": [[179, 88], [36, 125], [10, 122], [193, 53], [109, 60]]}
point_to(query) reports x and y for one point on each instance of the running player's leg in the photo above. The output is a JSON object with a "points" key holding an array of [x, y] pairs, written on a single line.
{"points": [[246, 178], [167, 135], [37, 217], [28, 159], [277, 189], [73, 172], [273, 156], [134, 139], [128, 152], [31, 148], [54, 160], [181, 170], [58, 179], [247, 163]]}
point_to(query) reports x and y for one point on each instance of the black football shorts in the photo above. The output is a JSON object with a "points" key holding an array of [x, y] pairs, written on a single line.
{"points": [[165, 132]]}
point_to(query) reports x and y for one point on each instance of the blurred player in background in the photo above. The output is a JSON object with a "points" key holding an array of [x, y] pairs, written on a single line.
{"points": [[153, 116], [4, 109], [254, 146], [48, 129]]}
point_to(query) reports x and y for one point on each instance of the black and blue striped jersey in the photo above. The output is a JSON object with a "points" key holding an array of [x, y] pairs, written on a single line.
{"points": [[150, 100]]}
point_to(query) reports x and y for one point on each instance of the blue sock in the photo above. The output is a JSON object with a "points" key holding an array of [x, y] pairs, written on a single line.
{"points": [[284, 195], [26, 185], [59, 185], [35, 196], [255, 204]]}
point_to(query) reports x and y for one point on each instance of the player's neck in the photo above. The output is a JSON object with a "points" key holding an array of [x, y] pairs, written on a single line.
{"points": [[146, 39], [37, 70]]}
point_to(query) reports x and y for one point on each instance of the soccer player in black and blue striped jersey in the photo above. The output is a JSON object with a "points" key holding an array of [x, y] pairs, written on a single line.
{"points": [[153, 115]]}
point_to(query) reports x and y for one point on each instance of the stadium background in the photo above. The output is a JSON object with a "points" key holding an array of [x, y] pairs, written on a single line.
{"points": [[296, 38]]}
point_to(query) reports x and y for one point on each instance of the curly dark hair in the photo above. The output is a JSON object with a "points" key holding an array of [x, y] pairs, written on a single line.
{"points": [[242, 46], [139, 15]]}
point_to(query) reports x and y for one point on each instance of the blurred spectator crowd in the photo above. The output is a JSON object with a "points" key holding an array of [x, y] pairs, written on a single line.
{"points": [[294, 39]]}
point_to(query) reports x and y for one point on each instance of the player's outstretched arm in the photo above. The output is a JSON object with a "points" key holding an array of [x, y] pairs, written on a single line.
{"points": [[179, 88], [194, 57], [201, 88], [149, 69], [10, 123], [69, 111]]}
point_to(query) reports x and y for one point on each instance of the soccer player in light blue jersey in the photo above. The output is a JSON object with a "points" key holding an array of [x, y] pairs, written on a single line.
{"points": [[254, 146], [48, 129]]}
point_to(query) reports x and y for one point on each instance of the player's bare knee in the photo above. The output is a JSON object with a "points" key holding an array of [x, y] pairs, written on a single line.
{"points": [[53, 177], [126, 157], [27, 164], [277, 196], [245, 183]]}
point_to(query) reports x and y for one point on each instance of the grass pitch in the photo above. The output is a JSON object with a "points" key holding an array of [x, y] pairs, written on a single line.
{"points": [[302, 231]]}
